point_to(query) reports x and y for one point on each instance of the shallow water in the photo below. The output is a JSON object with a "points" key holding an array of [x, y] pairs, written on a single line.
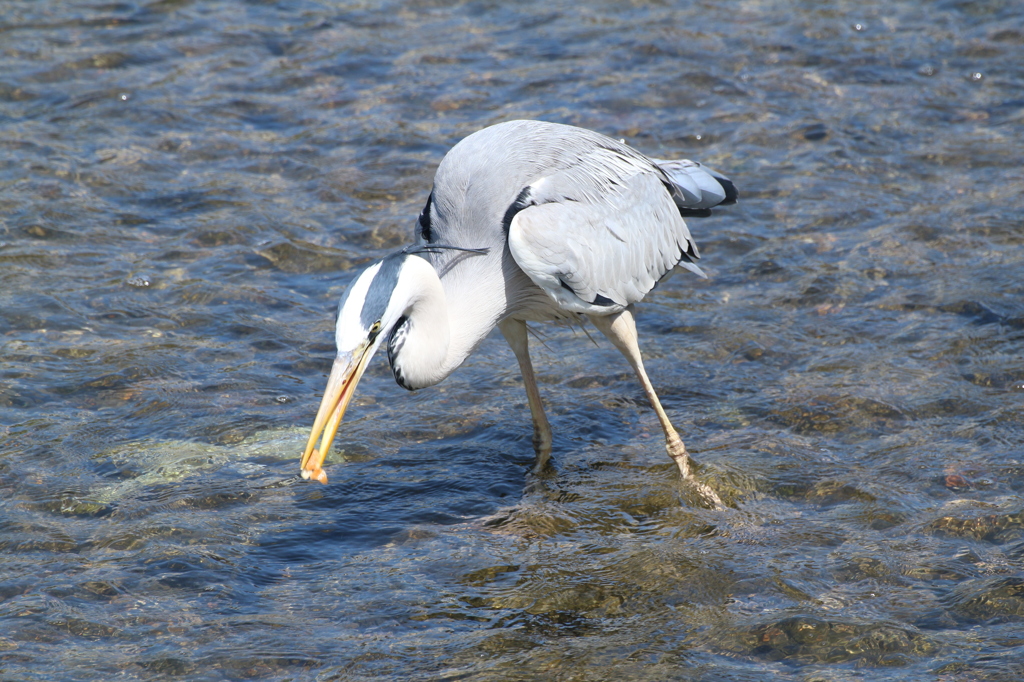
{"points": [[187, 187]]}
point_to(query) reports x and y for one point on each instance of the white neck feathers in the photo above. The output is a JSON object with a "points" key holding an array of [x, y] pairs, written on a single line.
{"points": [[418, 346], [435, 337]]}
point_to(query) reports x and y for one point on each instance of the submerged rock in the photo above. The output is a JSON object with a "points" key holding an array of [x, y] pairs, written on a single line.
{"points": [[817, 640]]}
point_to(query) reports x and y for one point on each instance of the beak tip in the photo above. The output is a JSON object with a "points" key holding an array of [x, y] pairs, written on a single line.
{"points": [[341, 385], [315, 474], [312, 469]]}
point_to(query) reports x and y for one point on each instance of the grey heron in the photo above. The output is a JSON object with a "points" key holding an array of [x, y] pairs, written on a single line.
{"points": [[527, 221]]}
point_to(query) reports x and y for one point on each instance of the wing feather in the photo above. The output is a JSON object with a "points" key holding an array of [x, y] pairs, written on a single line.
{"points": [[599, 235], [708, 187]]}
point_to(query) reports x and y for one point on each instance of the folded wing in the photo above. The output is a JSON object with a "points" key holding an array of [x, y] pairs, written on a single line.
{"points": [[600, 234]]}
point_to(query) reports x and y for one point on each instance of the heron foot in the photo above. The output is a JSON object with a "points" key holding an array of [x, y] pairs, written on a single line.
{"points": [[542, 446], [677, 451]]}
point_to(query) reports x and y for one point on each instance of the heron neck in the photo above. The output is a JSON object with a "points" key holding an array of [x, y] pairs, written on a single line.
{"points": [[473, 311], [447, 320]]}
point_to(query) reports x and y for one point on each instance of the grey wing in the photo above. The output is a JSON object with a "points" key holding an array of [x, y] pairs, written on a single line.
{"points": [[599, 235]]}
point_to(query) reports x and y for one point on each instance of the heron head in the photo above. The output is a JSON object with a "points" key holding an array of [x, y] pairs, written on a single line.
{"points": [[374, 304]]}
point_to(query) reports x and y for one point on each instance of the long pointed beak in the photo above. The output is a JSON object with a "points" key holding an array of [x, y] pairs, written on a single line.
{"points": [[341, 386]]}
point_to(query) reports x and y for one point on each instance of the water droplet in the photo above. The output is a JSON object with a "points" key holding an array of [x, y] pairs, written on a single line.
{"points": [[282, 399], [138, 281], [124, 97], [859, 27], [926, 70], [977, 76], [699, 136]]}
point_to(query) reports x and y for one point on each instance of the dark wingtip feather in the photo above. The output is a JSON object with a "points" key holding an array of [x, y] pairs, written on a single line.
{"points": [[731, 195], [694, 212]]}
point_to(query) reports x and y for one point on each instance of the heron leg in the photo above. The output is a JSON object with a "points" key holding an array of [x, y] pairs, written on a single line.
{"points": [[515, 333], [620, 328]]}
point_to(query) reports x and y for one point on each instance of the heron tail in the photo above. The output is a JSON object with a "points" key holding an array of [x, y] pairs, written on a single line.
{"points": [[699, 188]]}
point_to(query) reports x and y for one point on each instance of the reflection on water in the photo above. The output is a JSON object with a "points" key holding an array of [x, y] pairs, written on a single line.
{"points": [[186, 187]]}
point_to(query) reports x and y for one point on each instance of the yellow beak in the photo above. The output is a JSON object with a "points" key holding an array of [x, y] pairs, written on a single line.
{"points": [[341, 386]]}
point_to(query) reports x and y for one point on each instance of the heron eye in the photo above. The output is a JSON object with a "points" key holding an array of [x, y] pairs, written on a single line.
{"points": [[375, 327]]}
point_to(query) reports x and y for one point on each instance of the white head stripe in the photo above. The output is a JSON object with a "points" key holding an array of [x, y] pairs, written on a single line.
{"points": [[349, 316]]}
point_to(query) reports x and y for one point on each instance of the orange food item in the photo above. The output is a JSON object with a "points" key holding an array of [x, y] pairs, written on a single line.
{"points": [[312, 470], [318, 474]]}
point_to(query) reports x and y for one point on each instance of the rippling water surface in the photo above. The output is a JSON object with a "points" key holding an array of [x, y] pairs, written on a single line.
{"points": [[187, 187]]}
